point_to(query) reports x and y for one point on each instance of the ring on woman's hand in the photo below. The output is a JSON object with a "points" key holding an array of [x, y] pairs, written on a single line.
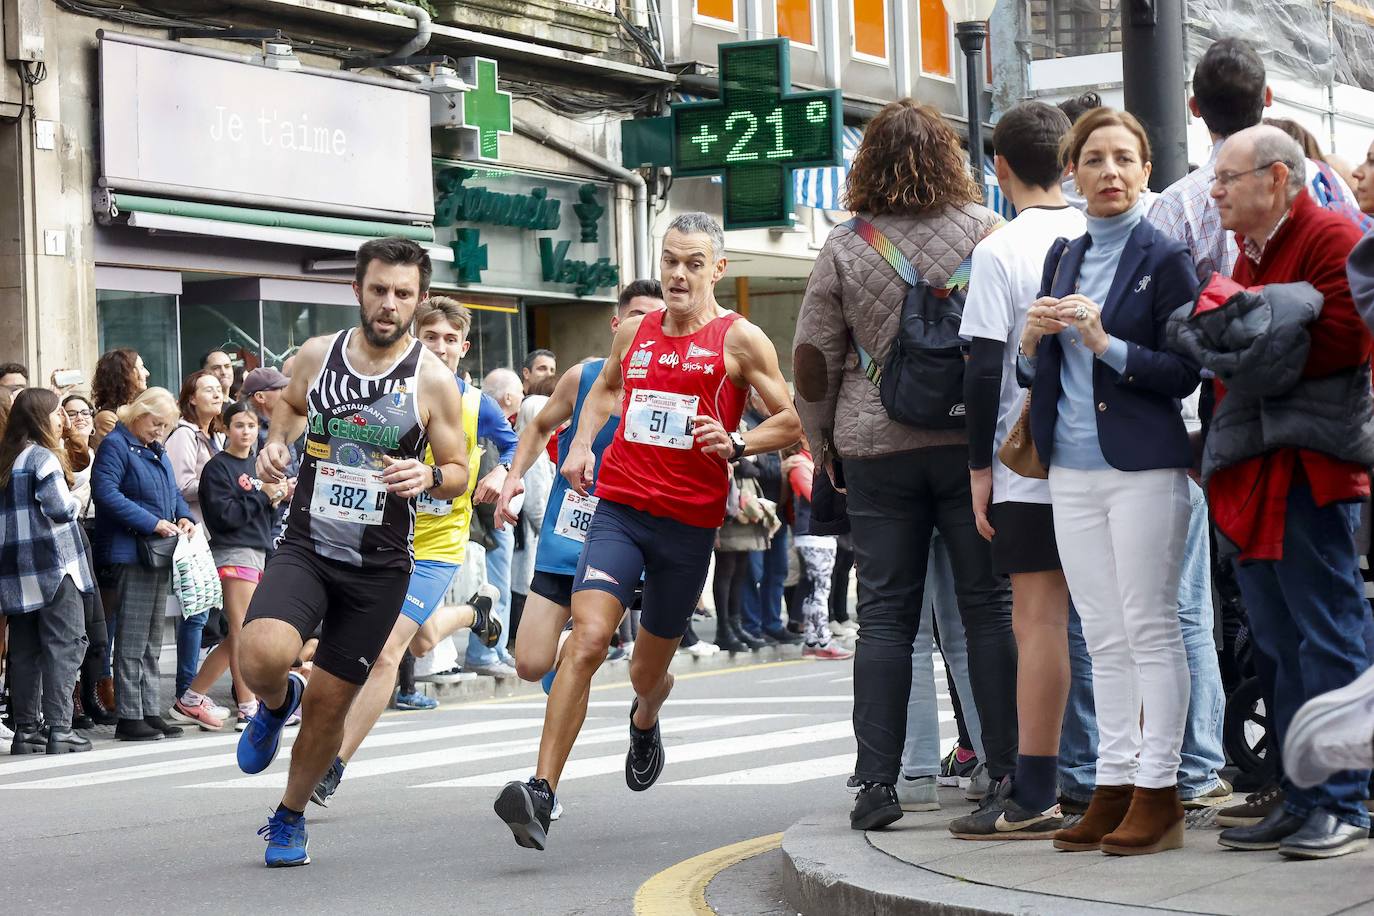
{"points": [[1081, 313]]}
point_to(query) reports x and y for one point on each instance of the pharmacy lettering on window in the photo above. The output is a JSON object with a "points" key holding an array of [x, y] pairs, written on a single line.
{"points": [[754, 135]]}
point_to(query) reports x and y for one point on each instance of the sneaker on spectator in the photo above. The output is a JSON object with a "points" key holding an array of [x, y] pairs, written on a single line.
{"points": [[616, 654], [702, 649], [245, 712], [853, 785], [978, 784], [497, 669], [451, 676], [416, 700], [5, 733], [831, 651], [1255, 808], [958, 765], [195, 710], [846, 628], [1220, 795], [293, 720], [918, 794]]}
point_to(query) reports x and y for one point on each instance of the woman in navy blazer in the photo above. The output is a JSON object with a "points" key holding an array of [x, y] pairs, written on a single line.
{"points": [[1105, 417], [136, 497]]}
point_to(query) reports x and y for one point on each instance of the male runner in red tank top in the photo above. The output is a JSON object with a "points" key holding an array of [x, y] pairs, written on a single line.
{"points": [[681, 377]]}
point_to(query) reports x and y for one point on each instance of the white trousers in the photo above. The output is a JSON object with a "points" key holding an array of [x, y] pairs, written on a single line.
{"points": [[1121, 539]]}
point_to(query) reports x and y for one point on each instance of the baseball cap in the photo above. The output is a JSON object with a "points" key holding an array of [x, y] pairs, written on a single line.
{"points": [[264, 379]]}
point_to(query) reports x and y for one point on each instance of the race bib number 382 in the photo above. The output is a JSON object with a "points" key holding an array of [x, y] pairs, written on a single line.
{"points": [[575, 516], [660, 418], [347, 494]]}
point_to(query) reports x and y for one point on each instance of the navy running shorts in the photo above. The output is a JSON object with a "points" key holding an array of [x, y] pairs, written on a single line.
{"points": [[623, 544]]}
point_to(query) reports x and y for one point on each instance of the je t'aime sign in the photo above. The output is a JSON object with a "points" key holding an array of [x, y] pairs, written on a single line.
{"points": [[182, 124]]}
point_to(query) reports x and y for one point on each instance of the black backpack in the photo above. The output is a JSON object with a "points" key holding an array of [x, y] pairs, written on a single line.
{"points": [[921, 383]]}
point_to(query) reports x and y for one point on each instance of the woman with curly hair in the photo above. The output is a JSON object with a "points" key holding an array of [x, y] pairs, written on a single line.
{"points": [[120, 376], [916, 203]]}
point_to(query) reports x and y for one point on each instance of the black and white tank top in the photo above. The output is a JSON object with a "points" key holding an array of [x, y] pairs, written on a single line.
{"points": [[341, 507]]}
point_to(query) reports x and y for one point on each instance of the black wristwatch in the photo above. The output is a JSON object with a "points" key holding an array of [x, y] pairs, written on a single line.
{"points": [[738, 441], [438, 477]]}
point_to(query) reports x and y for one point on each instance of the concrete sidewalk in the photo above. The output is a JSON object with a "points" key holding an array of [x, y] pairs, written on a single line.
{"points": [[915, 866]]}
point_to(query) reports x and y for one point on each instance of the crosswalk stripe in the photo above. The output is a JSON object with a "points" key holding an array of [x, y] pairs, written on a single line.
{"points": [[210, 762], [126, 751], [457, 755], [779, 774], [702, 750], [674, 702]]}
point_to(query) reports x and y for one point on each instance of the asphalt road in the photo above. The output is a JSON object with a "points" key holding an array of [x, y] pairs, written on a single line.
{"points": [[169, 826]]}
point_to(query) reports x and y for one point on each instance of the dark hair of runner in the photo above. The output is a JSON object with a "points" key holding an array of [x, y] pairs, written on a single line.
{"points": [[649, 289], [394, 251]]}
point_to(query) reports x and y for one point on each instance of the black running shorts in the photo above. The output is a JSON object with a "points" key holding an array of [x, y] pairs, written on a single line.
{"points": [[355, 609], [554, 586], [1024, 542], [624, 544]]}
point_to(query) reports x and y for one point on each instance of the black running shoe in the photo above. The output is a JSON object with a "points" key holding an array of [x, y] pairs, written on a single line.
{"points": [[487, 627], [876, 806], [526, 807], [644, 761], [329, 784]]}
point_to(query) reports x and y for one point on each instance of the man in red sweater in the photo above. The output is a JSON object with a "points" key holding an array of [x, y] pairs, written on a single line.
{"points": [[1293, 512]]}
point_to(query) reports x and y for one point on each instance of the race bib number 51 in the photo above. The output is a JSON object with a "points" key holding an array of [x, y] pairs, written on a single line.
{"points": [[660, 418], [348, 494]]}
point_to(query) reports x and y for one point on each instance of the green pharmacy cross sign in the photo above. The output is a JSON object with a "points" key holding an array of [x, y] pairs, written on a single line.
{"points": [[486, 110], [754, 136]]}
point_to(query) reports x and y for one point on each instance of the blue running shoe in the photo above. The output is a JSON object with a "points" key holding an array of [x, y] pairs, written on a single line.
{"points": [[547, 680], [287, 842], [415, 700], [261, 740]]}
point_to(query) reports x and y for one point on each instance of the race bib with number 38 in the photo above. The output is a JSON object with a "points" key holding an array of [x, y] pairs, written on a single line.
{"points": [[575, 516], [660, 418], [348, 494]]}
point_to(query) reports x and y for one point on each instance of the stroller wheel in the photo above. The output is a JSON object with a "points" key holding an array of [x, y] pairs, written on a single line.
{"points": [[1246, 731]]}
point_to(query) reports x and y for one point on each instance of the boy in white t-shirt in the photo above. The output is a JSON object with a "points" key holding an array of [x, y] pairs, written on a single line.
{"points": [[1013, 512]]}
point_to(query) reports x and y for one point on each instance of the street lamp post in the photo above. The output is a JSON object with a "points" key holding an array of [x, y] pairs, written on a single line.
{"points": [[971, 28]]}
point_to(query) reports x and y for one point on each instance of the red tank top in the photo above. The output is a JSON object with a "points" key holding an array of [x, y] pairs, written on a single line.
{"points": [[653, 464]]}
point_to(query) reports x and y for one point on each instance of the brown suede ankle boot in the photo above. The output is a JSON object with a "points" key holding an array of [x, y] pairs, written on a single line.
{"points": [[1105, 813], [1153, 824]]}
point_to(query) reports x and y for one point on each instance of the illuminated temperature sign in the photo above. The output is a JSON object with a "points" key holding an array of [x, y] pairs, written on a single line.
{"points": [[754, 136]]}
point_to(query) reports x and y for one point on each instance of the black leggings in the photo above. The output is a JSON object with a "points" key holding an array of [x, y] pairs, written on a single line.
{"points": [[727, 588]]}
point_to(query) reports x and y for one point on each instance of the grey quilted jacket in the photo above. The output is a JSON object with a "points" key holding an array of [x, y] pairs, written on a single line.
{"points": [[854, 291]]}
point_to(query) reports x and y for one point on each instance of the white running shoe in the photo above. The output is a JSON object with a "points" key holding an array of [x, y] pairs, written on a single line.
{"points": [[1332, 732]]}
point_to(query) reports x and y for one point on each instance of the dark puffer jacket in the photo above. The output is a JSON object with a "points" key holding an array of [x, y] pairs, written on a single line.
{"points": [[1256, 343]]}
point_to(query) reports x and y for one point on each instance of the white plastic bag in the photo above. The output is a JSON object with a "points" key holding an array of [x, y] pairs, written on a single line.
{"points": [[195, 581]]}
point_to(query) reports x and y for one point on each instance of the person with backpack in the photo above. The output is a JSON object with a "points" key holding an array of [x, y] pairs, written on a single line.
{"points": [[1105, 420], [880, 394]]}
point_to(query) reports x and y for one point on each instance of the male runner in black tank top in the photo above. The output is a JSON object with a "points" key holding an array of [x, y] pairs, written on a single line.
{"points": [[370, 399]]}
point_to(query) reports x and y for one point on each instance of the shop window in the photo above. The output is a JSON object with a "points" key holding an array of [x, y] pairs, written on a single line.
{"points": [[494, 339], [718, 11], [233, 327], [795, 22], [870, 28], [936, 46], [146, 322], [287, 325]]}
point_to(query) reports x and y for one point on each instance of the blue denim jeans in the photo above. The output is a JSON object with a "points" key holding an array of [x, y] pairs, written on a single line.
{"points": [[1308, 614], [921, 753], [1202, 750], [498, 575], [761, 605], [189, 631]]}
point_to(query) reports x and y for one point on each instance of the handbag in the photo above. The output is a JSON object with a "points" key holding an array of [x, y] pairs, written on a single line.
{"points": [[155, 551], [1018, 453]]}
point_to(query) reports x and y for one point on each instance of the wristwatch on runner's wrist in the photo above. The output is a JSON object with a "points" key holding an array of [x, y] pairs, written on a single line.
{"points": [[738, 442], [438, 477]]}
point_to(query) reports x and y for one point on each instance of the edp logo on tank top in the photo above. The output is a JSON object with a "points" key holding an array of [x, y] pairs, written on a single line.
{"points": [[341, 506]]}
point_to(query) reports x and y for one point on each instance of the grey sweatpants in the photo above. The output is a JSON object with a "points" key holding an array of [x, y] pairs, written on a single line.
{"points": [[46, 649], [138, 639]]}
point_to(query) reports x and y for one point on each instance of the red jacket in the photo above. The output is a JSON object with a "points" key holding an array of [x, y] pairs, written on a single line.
{"points": [[1249, 500]]}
